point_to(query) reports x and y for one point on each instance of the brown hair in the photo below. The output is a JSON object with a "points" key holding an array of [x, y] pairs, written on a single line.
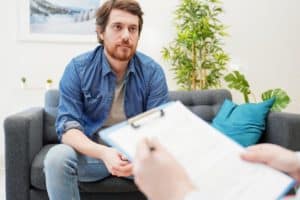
{"points": [[102, 14]]}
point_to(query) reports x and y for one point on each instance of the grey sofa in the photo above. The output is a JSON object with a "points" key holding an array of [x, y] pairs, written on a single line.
{"points": [[30, 134]]}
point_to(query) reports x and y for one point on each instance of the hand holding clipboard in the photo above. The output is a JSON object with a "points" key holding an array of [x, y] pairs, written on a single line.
{"points": [[211, 159]]}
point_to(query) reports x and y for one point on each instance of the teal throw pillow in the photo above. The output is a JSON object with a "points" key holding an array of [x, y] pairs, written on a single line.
{"points": [[243, 123]]}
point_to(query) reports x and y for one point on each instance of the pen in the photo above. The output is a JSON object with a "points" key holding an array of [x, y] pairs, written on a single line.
{"points": [[149, 144], [151, 149]]}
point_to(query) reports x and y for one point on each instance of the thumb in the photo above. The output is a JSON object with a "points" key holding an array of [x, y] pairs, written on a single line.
{"points": [[257, 153], [142, 149]]}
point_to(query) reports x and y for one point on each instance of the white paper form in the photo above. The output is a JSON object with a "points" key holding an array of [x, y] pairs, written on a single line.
{"points": [[211, 159]]}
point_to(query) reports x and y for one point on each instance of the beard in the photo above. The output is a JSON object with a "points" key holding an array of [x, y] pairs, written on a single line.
{"points": [[121, 52]]}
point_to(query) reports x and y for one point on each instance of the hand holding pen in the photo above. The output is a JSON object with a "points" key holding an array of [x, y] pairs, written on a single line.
{"points": [[158, 174]]}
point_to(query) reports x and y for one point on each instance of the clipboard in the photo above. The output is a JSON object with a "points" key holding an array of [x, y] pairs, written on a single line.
{"points": [[134, 123], [211, 159]]}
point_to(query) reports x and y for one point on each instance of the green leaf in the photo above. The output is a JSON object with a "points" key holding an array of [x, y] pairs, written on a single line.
{"points": [[197, 50], [165, 53], [281, 98], [237, 81]]}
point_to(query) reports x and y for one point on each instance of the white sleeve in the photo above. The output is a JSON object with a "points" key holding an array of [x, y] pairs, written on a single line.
{"points": [[195, 196], [298, 189]]}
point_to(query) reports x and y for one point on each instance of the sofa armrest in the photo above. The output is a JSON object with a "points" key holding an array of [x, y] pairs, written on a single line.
{"points": [[23, 140], [283, 129]]}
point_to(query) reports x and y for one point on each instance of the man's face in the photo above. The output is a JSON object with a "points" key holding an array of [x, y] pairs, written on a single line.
{"points": [[121, 35]]}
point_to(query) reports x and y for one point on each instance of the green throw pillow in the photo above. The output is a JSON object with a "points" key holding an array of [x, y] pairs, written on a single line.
{"points": [[243, 123]]}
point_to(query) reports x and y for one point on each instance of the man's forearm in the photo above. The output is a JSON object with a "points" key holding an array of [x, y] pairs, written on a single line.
{"points": [[81, 143]]}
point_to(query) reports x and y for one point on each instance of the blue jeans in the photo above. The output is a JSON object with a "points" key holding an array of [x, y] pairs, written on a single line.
{"points": [[64, 167]]}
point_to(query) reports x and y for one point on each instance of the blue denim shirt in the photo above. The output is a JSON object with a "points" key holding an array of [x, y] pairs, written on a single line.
{"points": [[87, 90]]}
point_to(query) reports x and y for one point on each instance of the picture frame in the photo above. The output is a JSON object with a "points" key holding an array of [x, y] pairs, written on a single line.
{"points": [[57, 20]]}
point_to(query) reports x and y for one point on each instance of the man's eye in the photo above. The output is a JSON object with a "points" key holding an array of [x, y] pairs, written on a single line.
{"points": [[133, 29], [117, 27]]}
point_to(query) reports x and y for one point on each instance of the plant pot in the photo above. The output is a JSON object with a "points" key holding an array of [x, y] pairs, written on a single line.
{"points": [[23, 85], [48, 86]]}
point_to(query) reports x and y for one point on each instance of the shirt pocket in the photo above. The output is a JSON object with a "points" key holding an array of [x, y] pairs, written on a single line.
{"points": [[94, 104]]}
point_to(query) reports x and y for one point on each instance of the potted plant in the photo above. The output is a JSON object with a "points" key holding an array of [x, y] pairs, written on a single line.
{"points": [[49, 83], [196, 54], [23, 82], [237, 81]]}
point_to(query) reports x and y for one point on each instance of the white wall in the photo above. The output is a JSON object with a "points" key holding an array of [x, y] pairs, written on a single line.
{"points": [[264, 42]]}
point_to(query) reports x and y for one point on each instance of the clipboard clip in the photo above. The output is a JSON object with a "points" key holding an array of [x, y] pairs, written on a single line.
{"points": [[133, 121]]}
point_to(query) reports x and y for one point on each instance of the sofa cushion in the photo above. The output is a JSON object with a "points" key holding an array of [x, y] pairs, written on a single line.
{"points": [[243, 123], [110, 184]]}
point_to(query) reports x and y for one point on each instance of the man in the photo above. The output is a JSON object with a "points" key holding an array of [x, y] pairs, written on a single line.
{"points": [[98, 89], [161, 177]]}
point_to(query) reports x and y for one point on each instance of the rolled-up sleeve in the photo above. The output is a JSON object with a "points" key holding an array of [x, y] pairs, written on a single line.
{"points": [[158, 89], [70, 102]]}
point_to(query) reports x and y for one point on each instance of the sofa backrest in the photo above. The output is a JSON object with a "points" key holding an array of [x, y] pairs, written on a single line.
{"points": [[204, 103]]}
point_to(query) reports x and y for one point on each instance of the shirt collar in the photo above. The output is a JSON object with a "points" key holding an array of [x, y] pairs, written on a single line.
{"points": [[105, 65]]}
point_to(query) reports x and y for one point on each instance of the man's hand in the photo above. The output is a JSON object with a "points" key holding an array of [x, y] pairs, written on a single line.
{"points": [[116, 163], [276, 157], [158, 174]]}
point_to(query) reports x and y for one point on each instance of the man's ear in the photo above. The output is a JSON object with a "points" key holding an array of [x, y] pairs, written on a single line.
{"points": [[100, 33]]}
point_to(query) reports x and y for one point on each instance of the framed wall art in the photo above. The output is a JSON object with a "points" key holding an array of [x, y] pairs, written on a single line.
{"points": [[57, 20]]}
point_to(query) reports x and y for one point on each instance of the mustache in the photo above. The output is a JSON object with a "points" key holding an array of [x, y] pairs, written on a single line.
{"points": [[125, 44]]}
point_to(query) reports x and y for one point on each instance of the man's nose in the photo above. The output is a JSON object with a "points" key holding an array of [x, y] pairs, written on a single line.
{"points": [[125, 34]]}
